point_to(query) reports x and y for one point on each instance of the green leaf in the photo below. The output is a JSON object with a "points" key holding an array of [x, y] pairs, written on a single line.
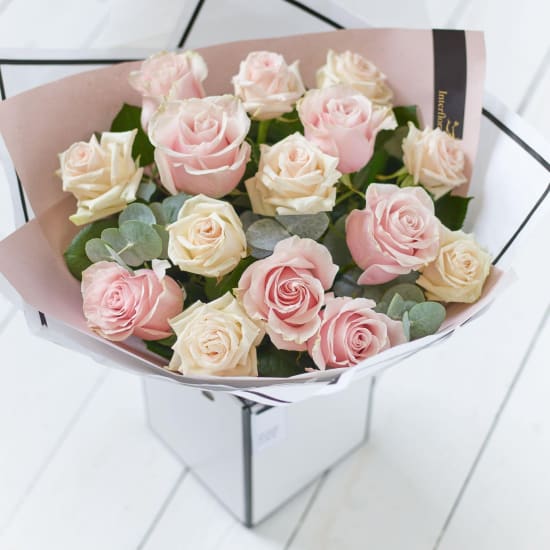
{"points": [[160, 349], [406, 325], [279, 128], [451, 210], [248, 218], [265, 234], [144, 243], [273, 362], [75, 255], [114, 239], [215, 289], [139, 212], [98, 250], [393, 146], [171, 206], [425, 319], [146, 190], [406, 114], [159, 213], [164, 237], [129, 118], [396, 307], [310, 226], [407, 291], [335, 241], [407, 181], [368, 173], [259, 253]]}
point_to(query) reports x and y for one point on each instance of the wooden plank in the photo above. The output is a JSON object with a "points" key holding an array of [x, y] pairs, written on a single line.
{"points": [[197, 520], [505, 505], [431, 415], [104, 485]]}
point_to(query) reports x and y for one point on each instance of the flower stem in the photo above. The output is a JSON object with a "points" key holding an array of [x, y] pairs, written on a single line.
{"points": [[401, 172], [346, 180], [263, 127]]}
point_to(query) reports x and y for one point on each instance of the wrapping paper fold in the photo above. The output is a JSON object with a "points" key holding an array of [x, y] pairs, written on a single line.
{"points": [[72, 109]]}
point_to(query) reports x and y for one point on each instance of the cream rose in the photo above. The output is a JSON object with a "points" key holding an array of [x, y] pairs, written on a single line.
{"points": [[207, 238], [102, 175], [294, 177], [216, 339], [435, 159], [459, 271], [356, 71], [268, 86]]}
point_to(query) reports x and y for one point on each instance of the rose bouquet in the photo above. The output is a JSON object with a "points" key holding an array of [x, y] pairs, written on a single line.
{"points": [[274, 231]]}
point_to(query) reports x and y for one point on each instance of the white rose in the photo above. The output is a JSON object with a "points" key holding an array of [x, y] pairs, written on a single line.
{"points": [[294, 177], [268, 86], [207, 238], [102, 176], [356, 71], [217, 338], [459, 271], [435, 159]]}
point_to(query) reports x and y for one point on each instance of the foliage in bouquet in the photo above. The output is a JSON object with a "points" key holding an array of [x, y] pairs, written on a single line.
{"points": [[271, 232]]}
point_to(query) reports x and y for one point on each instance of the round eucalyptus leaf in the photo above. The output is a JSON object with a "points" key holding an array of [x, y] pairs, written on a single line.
{"points": [[144, 243], [396, 307], [265, 234], [307, 226], [259, 253], [158, 211], [164, 237], [146, 190], [407, 291], [248, 218], [114, 239], [97, 251], [406, 325], [425, 318], [172, 206], [137, 211]]}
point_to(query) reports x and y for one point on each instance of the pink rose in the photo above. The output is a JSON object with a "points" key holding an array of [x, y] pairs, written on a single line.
{"points": [[396, 233], [166, 76], [343, 123], [200, 145], [118, 304], [286, 291], [351, 331], [268, 86]]}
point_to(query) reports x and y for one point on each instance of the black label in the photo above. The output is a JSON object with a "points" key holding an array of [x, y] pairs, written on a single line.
{"points": [[449, 80]]}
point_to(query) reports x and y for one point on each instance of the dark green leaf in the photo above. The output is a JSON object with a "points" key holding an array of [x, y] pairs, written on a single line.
{"points": [[451, 210], [215, 289], [393, 146], [273, 362], [75, 255], [368, 173], [335, 241], [406, 114], [129, 118], [160, 349]]}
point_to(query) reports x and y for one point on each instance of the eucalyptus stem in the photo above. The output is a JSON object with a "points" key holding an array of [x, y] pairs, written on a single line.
{"points": [[263, 127]]}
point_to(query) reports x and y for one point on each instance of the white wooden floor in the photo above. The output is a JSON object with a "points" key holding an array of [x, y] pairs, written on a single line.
{"points": [[460, 446]]}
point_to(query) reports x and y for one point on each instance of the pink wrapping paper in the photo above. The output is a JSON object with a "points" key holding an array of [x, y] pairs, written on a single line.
{"points": [[40, 123]]}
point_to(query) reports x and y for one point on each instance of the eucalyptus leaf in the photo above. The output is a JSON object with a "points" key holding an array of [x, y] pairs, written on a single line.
{"points": [[137, 211], [146, 190], [75, 255], [259, 253], [114, 239], [172, 206], [425, 319], [164, 237], [310, 226], [144, 243], [407, 291], [129, 118], [406, 325], [396, 308], [265, 234], [248, 218], [98, 250], [158, 211]]}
